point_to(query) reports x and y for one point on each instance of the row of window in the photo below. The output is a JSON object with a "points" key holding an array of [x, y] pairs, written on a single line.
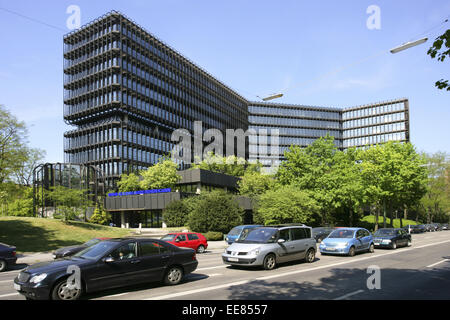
{"points": [[306, 132], [148, 45], [374, 120], [371, 111], [293, 122], [91, 69], [93, 35], [372, 140], [94, 84], [288, 112], [375, 130], [92, 52]]}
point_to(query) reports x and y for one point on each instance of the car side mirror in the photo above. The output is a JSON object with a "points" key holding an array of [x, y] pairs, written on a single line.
{"points": [[281, 241], [108, 259]]}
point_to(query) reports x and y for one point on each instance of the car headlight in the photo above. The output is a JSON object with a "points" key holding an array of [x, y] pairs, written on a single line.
{"points": [[254, 252], [226, 238], [38, 278]]}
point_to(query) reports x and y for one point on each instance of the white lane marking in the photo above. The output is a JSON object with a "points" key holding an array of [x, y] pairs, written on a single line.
{"points": [[9, 295], [214, 274], [118, 295], [208, 268], [7, 281], [174, 295], [435, 264], [348, 295]]}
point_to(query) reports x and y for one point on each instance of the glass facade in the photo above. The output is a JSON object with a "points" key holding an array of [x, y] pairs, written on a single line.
{"points": [[294, 125], [126, 92], [300, 125]]}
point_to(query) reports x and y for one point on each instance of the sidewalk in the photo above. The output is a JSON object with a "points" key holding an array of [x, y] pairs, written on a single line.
{"points": [[35, 257]]}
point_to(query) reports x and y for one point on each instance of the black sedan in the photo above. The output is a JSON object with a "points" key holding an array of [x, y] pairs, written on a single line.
{"points": [[7, 256], [321, 233], [70, 251], [108, 264], [391, 238]]}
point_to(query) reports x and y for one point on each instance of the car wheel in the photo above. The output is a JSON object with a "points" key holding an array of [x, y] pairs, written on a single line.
{"points": [[310, 255], [371, 248], [270, 262], [3, 265], [200, 249], [408, 244], [173, 276], [351, 251], [62, 292], [394, 245]]}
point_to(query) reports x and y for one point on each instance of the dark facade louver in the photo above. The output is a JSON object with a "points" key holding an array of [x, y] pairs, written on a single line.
{"points": [[125, 92]]}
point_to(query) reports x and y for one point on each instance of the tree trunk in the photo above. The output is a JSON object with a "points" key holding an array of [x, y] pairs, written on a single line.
{"points": [[384, 213], [377, 214]]}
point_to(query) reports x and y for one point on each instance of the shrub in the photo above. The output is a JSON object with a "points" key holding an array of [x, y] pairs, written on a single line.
{"points": [[215, 211], [176, 213], [213, 236], [100, 216]]}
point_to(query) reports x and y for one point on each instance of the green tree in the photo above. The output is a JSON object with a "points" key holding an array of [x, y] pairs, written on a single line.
{"points": [[310, 169], [128, 182], [176, 213], [231, 165], [100, 216], [286, 204], [215, 211], [161, 175], [254, 183], [436, 201], [441, 50], [13, 149], [69, 202]]}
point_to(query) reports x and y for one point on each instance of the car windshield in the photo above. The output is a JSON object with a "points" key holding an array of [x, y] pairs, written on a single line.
{"points": [[235, 231], [259, 235], [385, 232], [92, 242], [168, 237], [342, 234], [96, 251]]}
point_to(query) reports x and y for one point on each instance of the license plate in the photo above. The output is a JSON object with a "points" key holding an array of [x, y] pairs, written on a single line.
{"points": [[331, 249], [233, 259], [17, 287]]}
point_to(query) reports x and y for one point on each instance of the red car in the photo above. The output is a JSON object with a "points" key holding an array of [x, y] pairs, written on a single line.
{"points": [[192, 240]]}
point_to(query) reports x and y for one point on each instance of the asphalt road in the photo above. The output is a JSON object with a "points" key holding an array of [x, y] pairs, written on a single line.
{"points": [[421, 271]]}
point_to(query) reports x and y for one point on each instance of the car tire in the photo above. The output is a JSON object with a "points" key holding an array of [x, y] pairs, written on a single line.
{"points": [[371, 248], [59, 292], [3, 265], [408, 244], [201, 249], [310, 256], [351, 251], [270, 262], [394, 245], [173, 276]]}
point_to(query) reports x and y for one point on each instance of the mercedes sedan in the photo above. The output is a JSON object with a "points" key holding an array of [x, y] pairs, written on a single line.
{"points": [[108, 264], [391, 238]]}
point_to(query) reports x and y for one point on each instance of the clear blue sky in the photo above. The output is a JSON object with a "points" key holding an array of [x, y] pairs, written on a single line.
{"points": [[256, 47]]}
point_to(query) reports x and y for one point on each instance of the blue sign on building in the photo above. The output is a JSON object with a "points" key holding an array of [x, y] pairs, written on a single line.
{"points": [[132, 193]]}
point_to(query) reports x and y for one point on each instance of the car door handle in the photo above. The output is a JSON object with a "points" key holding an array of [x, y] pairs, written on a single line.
{"points": [[165, 257], [135, 261]]}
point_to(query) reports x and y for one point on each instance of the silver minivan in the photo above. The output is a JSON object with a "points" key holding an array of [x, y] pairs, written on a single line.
{"points": [[271, 245]]}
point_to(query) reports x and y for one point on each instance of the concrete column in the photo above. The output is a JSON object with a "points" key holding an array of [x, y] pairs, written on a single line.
{"points": [[122, 219]]}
